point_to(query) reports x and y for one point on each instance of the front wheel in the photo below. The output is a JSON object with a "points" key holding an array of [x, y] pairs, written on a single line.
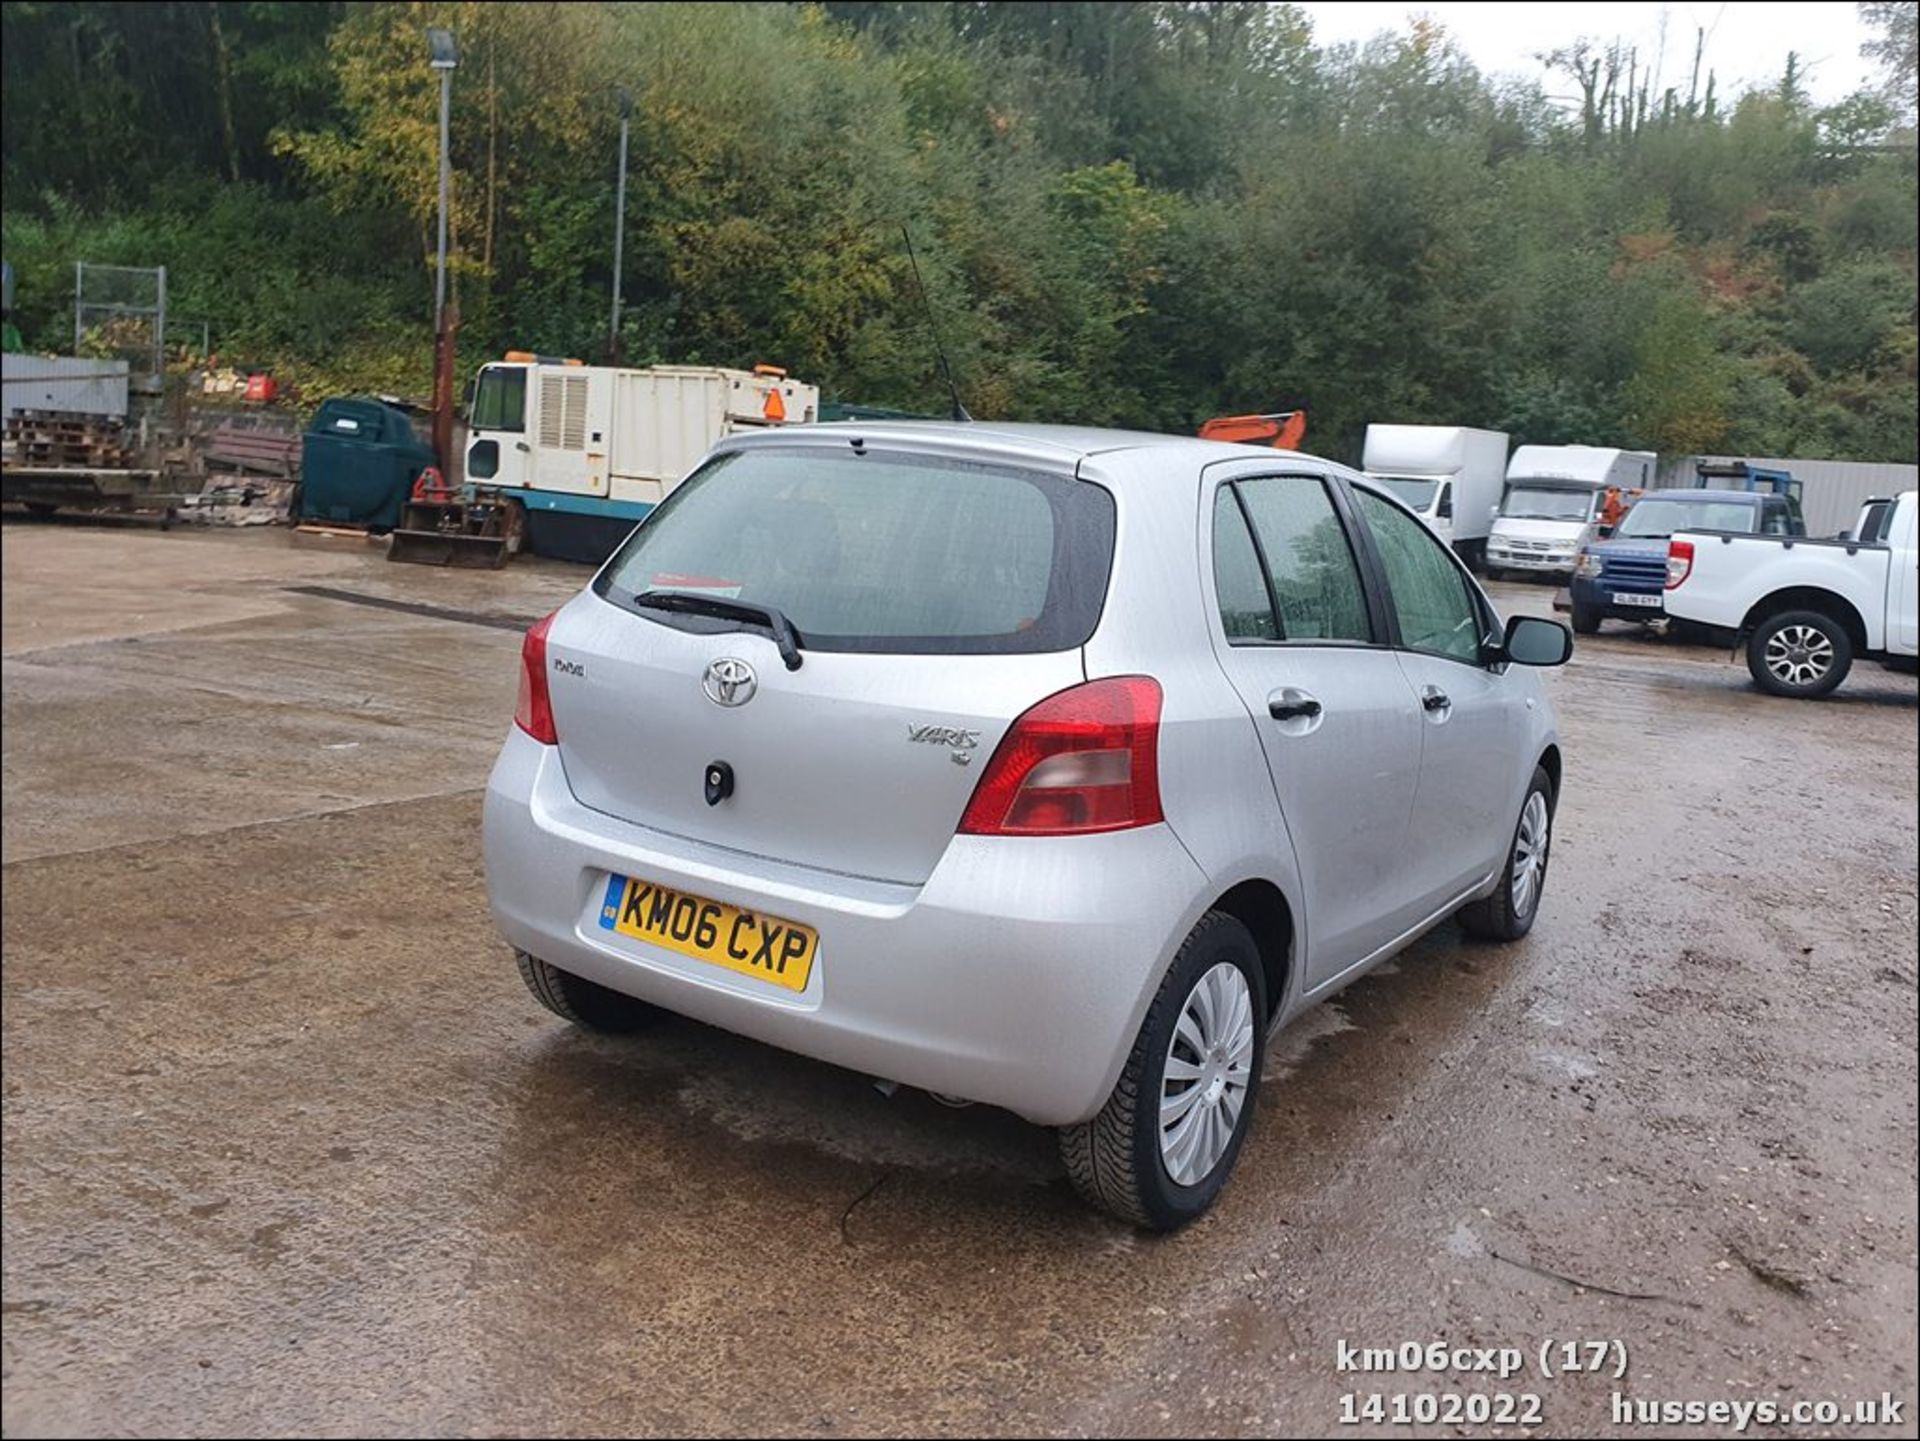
{"points": [[1586, 619], [1799, 653], [1165, 1142], [1508, 913]]}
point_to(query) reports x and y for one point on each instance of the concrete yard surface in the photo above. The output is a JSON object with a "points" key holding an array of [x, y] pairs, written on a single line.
{"points": [[288, 1149]]}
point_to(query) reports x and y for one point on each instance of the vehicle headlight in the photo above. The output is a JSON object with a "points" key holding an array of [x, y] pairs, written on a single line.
{"points": [[1589, 565]]}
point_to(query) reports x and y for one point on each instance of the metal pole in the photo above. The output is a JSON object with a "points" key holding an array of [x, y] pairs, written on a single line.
{"points": [[446, 171], [160, 329], [619, 236]]}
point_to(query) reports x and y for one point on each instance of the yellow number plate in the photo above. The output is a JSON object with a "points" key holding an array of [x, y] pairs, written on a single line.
{"points": [[764, 947]]}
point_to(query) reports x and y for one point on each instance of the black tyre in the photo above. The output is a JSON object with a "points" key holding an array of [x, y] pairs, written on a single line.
{"points": [[1197, 1059], [1799, 653], [584, 1002], [1508, 913], [1586, 619], [41, 507]]}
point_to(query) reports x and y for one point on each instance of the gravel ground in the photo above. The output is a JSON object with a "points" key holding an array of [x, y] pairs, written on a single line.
{"points": [[287, 1148]]}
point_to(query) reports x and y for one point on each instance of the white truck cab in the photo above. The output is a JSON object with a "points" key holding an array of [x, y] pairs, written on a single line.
{"points": [[1449, 475], [1553, 501], [590, 450]]}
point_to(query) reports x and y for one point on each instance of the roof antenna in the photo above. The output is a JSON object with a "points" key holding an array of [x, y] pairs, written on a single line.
{"points": [[959, 410]]}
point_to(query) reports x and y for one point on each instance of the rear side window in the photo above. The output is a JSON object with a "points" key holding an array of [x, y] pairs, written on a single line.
{"points": [[1246, 611], [1315, 580], [881, 552]]}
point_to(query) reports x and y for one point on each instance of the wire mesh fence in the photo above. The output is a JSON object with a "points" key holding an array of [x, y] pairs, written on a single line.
{"points": [[120, 312]]}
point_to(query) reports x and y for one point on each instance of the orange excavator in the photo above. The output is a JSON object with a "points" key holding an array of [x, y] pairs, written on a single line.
{"points": [[1283, 430]]}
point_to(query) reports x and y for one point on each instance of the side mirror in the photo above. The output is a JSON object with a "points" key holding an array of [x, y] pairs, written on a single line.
{"points": [[1531, 640]]}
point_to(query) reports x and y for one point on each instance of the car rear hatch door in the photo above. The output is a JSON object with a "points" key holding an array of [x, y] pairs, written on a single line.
{"points": [[934, 602]]}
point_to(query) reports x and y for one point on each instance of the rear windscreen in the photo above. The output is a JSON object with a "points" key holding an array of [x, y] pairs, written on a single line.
{"points": [[881, 552], [1658, 519]]}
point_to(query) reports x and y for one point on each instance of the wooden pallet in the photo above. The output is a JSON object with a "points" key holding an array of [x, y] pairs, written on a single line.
{"points": [[51, 439]]}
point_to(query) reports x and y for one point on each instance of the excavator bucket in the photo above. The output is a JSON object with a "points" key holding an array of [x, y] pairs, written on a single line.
{"points": [[1283, 431], [479, 534]]}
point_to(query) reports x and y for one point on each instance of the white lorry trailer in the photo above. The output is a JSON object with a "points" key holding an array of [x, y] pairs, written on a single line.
{"points": [[587, 451], [1449, 474], [1553, 504], [1804, 610]]}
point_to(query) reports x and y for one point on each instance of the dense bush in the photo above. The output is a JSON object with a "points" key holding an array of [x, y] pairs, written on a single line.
{"points": [[1125, 213]]}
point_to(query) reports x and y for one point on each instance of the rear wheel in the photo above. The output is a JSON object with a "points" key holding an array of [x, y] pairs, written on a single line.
{"points": [[1799, 653], [1164, 1144], [585, 1003], [1508, 913]]}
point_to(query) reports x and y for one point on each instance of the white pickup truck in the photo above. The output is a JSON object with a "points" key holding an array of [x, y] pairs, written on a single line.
{"points": [[1804, 609]]}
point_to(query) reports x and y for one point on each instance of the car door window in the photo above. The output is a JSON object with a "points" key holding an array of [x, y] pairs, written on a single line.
{"points": [[1308, 562], [1774, 520], [1246, 609], [1435, 605]]}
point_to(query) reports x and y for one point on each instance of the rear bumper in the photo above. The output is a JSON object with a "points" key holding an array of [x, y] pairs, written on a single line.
{"points": [[1017, 974]]}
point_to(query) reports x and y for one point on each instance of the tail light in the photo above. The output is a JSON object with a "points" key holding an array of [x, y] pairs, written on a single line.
{"points": [[533, 711], [1086, 759], [1679, 561]]}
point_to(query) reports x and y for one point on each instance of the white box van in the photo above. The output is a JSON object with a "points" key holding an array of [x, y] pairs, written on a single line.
{"points": [[1449, 474], [1552, 503]]}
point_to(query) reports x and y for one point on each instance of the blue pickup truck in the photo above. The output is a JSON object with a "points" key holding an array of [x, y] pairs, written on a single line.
{"points": [[1624, 576]]}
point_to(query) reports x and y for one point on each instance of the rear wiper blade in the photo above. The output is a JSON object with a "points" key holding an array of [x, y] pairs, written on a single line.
{"points": [[775, 620]]}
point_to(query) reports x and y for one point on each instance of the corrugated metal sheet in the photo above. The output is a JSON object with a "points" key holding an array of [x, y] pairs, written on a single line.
{"points": [[1833, 489], [63, 382]]}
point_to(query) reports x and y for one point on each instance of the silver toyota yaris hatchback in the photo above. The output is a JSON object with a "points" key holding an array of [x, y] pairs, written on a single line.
{"points": [[1049, 768]]}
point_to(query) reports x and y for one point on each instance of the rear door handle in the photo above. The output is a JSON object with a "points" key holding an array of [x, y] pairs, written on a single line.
{"points": [[1293, 707], [1434, 699]]}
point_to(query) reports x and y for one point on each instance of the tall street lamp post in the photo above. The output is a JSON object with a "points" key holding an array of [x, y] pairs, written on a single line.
{"points": [[625, 99], [444, 56]]}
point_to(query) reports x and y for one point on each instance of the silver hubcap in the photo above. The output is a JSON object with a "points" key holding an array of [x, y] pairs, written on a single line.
{"points": [[1799, 654], [1209, 1067], [1529, 854]]}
